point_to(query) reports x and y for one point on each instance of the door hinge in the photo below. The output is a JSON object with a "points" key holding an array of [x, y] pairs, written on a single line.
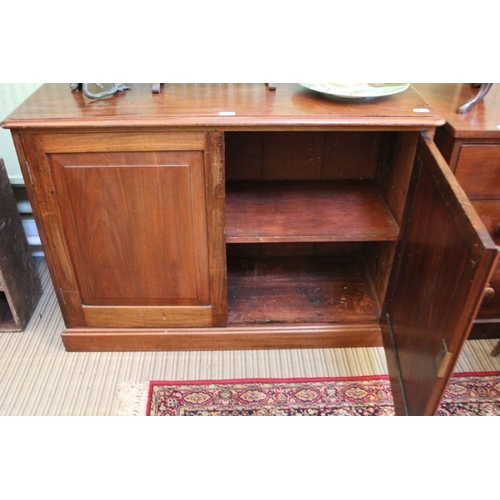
{"points": [[29, 171], [446, 358], [62, 296]]}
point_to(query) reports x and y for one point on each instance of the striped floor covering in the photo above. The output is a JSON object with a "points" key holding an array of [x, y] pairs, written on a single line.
{"points": [[38, 377]]}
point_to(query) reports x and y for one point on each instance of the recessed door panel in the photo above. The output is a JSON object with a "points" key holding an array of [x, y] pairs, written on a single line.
{"points": [[135, 224]]}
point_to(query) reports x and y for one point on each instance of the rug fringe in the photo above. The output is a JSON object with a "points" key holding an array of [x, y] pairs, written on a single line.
{"points": [[133, 399]]}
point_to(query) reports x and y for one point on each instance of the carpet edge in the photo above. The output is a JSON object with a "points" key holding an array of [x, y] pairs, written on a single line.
{"points": [[133, 399]]}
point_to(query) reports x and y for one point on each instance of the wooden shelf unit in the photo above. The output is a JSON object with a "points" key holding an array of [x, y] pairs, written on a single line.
{"points": [[303, 211]]}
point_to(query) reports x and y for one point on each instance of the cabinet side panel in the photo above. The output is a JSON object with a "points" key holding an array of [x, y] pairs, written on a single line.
{"points": [[395, 161], [40, 188], [394, 170], [215, 193], [243, 155]]}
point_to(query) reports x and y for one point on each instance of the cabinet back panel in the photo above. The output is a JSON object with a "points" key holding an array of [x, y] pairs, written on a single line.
{"points": [[303, 155], [293, 249]]}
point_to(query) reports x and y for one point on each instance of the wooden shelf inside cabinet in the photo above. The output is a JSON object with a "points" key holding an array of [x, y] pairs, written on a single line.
{"points": [[299, 290], [312, 211]]}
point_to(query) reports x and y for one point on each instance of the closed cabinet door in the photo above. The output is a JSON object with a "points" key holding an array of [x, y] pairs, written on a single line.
{"points": [[133, 219], [442, 267]]}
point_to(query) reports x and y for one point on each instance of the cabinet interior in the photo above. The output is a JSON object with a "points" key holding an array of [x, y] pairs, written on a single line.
{"points": [[312, 221]]}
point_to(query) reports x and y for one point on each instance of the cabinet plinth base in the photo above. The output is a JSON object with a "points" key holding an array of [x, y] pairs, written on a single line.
{"points": [[227, 338]]}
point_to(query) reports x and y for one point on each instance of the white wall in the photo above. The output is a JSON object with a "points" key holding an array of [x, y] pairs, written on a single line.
{"points": [[11, 96]]}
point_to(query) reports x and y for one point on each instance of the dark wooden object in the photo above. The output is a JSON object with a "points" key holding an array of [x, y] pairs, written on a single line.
{"points": [[496, 350], [20, 287], [454, 253], [230, 217], [471, 145]]}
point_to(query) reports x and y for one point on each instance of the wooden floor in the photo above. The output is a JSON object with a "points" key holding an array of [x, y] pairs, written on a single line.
{"points": [[38, 377]]}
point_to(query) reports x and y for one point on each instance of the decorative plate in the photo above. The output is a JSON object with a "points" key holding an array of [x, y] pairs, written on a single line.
{"points": [[357, 90]]}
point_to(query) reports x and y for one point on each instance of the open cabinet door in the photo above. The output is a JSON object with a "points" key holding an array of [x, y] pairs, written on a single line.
{"points": [[441, 269]]}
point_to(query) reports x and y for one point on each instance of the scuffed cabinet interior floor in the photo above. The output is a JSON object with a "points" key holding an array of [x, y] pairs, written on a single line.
{"points": [[39, 378]]}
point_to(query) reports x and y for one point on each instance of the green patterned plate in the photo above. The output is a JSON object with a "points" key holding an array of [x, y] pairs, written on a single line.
{"points": [[357, 90]]}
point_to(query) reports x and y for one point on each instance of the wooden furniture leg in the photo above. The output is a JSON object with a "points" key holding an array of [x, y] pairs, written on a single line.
{"points": [[496, 349]]}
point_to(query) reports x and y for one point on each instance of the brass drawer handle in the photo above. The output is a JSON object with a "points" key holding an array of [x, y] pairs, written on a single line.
{"points": [[489, 293]]}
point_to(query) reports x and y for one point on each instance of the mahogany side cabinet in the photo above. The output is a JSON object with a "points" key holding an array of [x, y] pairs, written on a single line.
{"points": [[227, 216], [470, 144]]}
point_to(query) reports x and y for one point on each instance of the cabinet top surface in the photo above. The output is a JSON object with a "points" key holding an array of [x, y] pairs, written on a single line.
{"points": [[222, 106], [482, 121]]}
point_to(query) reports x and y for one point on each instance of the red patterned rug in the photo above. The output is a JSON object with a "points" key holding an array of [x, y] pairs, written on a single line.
{"points": [[472, 394]]}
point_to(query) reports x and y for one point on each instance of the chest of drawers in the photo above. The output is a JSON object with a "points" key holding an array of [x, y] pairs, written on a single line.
{"points": [[471, 145]]}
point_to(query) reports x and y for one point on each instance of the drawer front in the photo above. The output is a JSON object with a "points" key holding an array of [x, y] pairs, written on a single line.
{"points": [[478, 170], [490, 307], [489, 211]]}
